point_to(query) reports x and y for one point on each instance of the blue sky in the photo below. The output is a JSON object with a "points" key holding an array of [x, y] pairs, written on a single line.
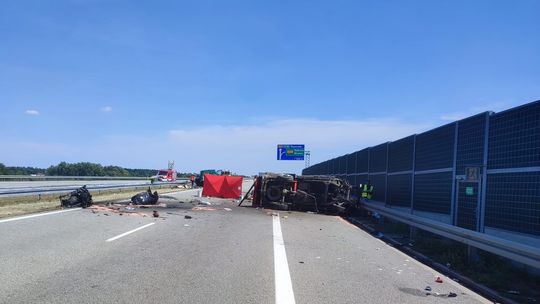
{"points": [[221, 83]]}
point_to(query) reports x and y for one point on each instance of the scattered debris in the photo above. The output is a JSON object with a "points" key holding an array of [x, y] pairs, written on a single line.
{"points": [[428, 288], [421, 293], [285, 217], [186, 225], [201, 208], [155, 213], [438, 280], [79, 197], [145, 198], [301, 262], [188, 217], [227, 209]]}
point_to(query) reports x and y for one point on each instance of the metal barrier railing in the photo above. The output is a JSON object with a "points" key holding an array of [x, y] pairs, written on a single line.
{"points": [[515, 251]]}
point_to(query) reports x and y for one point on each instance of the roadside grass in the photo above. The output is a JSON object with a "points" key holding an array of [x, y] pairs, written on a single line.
{"points": [[20, 205]]}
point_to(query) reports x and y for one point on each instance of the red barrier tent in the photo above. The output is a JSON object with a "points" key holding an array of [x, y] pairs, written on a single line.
{"points": [[222, 186]]}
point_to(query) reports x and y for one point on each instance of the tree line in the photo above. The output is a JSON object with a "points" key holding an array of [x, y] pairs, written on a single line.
{"points": [[78, 169]]}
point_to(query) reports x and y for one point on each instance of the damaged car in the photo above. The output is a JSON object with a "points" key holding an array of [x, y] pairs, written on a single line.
{"points": [[80, 197], [324, 194], [145, 198]]}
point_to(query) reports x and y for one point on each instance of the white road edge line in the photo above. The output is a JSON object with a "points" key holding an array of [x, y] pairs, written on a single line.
{"points": [[284, 290], [37, 215], [129, 232]]}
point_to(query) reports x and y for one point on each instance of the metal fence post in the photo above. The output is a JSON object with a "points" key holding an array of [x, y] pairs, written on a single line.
{"points": [[413, 174], [386, 177], [482, 206], [453, 196]]}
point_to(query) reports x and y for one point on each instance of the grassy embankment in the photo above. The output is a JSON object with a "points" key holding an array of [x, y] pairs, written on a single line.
{"points": [[19, 205]]}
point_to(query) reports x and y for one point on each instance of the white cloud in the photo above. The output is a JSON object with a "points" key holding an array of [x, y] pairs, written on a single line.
{"points": [[32, 112], [106, 109], [245, 149], [497, 106], [456, 116]]}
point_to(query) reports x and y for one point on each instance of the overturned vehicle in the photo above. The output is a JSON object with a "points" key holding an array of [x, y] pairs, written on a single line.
{"points": [[145, 198], [78, 198], [325, 194]]}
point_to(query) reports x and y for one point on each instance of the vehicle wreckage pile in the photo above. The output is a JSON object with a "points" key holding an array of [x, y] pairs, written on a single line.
{"points": [[78, 198], [81, 197], [325, 194]]}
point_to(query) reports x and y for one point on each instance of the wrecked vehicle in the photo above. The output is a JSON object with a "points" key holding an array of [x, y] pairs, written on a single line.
{"points": [[145, 198], [326, 194], [271, 190], [323, 193], [79, 197]]}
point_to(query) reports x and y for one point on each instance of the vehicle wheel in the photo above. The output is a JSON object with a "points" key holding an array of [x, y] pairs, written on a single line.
{"points": [[274, 193]]}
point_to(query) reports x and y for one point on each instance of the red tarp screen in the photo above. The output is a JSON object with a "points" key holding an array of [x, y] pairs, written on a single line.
{"points": [[222, 186]]}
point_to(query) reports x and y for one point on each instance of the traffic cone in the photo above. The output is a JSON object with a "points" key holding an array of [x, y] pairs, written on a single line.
{"points": [[438, 280]]}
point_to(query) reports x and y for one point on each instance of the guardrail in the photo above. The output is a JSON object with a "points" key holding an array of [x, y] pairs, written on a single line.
{"points": [[38, 178], [50, 190], [515, 251]]}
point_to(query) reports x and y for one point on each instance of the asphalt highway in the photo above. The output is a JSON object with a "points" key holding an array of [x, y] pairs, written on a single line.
{"points": [[223, 254]]}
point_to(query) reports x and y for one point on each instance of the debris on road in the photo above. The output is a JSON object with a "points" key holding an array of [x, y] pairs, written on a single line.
{"points": [[201, 208], [421, 293], [428, 288], [145, 198], [438, 280], [186, 225], [227, 209], [155, 213], [79, 197], [188, 217]]}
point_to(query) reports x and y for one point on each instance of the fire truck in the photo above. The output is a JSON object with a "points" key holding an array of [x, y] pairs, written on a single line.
{"points": [[168, 175]]}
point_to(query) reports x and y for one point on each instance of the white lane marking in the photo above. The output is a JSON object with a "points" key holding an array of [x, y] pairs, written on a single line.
{"points": [[37, 215], [284, 290], [129, 232]]}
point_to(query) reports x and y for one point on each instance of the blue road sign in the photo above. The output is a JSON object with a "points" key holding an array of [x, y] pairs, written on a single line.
{"points": [[290, 152]]}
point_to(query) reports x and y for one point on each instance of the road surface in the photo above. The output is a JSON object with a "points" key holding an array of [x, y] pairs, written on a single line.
{"points": [[244, 255]]}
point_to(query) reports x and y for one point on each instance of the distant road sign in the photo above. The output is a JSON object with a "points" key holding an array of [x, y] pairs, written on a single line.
{"points": [[290, 152]]}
